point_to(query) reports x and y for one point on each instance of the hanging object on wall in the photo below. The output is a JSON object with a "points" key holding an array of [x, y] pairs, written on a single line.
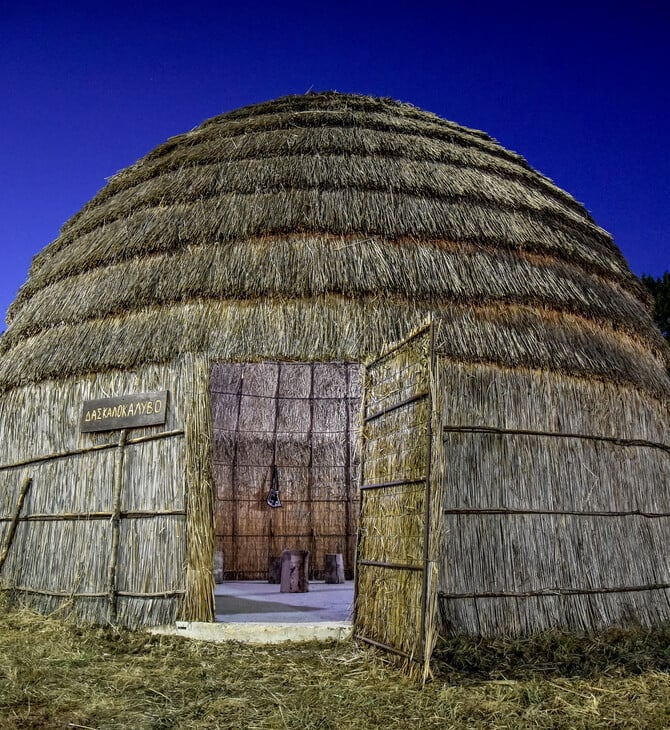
{"points": [[273, 495]]}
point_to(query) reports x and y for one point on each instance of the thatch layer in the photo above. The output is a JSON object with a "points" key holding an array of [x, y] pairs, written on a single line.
{"points": [[280, 191], [387, 132], [561, 517], [335, 327], [302, 267], [339, 213], [492, 396], [266, 213]]}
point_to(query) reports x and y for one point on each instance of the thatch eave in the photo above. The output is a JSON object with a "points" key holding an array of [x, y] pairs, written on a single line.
{"points": [[334, 328], [335, 174], [310, 267], [332, 214]]}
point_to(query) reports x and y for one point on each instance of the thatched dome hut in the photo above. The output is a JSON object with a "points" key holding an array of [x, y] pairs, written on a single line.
{"points": [[248, 267]]}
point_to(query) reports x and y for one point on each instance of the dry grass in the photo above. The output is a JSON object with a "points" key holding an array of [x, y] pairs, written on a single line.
{"points": [[56, 675]]}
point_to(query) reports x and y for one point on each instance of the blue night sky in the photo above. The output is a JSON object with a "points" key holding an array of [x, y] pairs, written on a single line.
{"points": [[581, 92]]}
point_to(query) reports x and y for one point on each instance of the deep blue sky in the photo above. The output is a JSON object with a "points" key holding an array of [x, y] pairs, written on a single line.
{"points": [[582, 92]]}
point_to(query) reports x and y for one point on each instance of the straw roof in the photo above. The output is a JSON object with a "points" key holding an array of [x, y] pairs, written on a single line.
{"points": [[321, 227]]}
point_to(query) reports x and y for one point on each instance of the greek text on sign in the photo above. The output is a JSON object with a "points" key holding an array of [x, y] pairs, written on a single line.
{"points": [[126, 411]]}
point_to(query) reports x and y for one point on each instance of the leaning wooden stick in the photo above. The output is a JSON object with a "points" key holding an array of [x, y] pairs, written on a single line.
{"points": [[7, 542]]}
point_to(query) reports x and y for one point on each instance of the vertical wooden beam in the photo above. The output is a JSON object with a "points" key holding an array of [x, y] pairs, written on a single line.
{"points": [[310, 470], [234, 478], [274, 473], [7, 542], [428, 588], [198, 603], [347, 471], [116, 525]]}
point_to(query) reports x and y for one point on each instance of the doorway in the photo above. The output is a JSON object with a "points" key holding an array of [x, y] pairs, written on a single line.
{"points": [[285, 463]]}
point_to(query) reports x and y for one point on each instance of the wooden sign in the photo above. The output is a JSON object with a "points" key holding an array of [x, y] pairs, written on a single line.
{"points": [[126, 411]]}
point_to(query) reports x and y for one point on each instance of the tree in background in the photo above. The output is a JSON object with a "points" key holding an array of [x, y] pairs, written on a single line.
{"points": [[660, 291]]}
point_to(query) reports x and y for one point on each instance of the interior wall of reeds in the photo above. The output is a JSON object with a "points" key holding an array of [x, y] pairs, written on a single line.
{"points": [[73, 547], [293, 428], [556, 507]]}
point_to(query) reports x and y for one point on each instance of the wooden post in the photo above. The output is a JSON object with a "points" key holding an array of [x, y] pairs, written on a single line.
{"points": [[294, 571], [334, 568], [7, 542], [198, 601], [116, 525]]}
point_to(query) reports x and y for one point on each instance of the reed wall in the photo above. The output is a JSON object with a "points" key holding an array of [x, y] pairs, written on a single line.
{"points": [[63, 553], [557, 502]]}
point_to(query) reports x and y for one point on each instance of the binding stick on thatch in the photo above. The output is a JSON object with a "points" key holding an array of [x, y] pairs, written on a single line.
{"points": [[88, 516], [198, 603], [7, 543]]}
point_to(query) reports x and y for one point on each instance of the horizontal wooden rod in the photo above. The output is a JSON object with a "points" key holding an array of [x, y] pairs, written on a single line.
{"points": [[396, 483], [546, 592], [280, 432], [306, 399], [281, 467], [393, 566], [306, 535], [69, 594], [155, 436], [396, 406], [556, 434], [55, 594], [90, 449], [160, 594], [503, 511], [284, 501], [90, 516], [394, 348]]}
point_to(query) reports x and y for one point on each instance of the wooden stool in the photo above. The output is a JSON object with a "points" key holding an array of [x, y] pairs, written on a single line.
{"points": [[333, 568], [218, 566], [294, 571], [274, 569]]}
